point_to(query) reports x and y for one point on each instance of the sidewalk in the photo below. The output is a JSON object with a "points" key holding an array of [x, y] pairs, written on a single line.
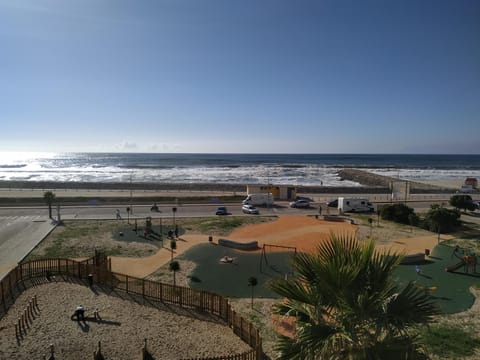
{"points": [[18, 237]]}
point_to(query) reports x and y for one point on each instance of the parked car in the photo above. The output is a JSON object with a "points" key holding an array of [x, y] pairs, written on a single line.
{"points": [[477, 204], [300, 203], [333, 203], [250, 209], [222, 210]]}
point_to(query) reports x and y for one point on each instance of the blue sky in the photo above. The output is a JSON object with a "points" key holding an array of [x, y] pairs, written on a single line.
{"points": [[240, 76]]}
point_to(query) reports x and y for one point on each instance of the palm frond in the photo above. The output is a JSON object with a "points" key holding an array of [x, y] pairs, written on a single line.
{"points": [[410, 306]]}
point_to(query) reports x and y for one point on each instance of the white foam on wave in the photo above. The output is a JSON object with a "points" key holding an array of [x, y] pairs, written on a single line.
{"points": [[73, 168], [427, 175]]}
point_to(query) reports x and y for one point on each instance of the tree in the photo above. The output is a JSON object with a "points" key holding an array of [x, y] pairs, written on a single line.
{"points": [[174, 266], [462, 202], [347, 306], [173, 246], [252, 281], [440, 219], [49, 198], [400, 213]]}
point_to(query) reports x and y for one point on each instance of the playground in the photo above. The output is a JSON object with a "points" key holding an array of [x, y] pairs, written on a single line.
{"points": [[446, 276], [271, 246], [443, 273]]}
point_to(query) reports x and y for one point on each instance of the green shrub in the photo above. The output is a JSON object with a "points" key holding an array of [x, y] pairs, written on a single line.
{"points": [[462, 202], [400, 213], [440, 219]]}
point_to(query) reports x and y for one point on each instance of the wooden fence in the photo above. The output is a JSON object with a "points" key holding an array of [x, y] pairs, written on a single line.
{"points": [[14, 283]]}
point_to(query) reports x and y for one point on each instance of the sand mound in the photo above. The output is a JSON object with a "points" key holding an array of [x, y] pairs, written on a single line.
{"points": [[302, 232]]}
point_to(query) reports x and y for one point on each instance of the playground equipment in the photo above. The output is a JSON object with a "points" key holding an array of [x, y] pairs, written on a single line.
{"points": [[427, 289], [227, 259], [468, 261], [264, 256]]}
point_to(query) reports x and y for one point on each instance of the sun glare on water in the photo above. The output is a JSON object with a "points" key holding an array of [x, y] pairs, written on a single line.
{"points": [[19, 157]]}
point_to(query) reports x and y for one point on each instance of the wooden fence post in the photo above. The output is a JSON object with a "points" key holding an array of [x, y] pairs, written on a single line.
{"points": [[249, 333], [10, 285], [126, 283], [3, 297]]}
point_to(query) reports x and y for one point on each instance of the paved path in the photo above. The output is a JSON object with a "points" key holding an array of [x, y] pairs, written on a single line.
{"points": [[18, 236]]}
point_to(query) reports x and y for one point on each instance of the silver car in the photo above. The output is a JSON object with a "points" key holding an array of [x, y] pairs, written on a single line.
{"points": [[250, 209], [302, 203]]}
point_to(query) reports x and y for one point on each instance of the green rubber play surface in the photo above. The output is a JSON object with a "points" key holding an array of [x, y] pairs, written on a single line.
{"points": [[450, 289], [231, 279]]}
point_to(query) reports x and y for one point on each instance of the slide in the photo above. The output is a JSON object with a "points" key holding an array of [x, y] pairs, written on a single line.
{"points": [[455, 266]]}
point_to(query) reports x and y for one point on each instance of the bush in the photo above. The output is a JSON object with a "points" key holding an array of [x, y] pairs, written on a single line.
{"points": [[440, 219], [400, 213], [462, 202]]}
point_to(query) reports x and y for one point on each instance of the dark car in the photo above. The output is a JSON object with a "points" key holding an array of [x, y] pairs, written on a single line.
{"points": [[333, 203], [477, 204], [221, 210]]}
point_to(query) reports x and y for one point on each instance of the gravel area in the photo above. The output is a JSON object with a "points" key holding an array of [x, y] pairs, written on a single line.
{"points": [[171, 332]]}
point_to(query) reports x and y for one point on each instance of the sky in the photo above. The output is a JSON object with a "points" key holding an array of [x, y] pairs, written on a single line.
{"points": [[250, 76]]}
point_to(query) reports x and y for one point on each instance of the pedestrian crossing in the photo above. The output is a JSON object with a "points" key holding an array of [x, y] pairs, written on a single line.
{"points": [[23, 218]]}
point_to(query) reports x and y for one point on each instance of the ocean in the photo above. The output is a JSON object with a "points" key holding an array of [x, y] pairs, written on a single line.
{"points": [[281, 169]]}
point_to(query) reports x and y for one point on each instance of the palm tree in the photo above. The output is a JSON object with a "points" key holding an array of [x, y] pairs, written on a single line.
{"points": [[347, 306], [174, 266], [252, 281], [173, 246], [49, 198]]}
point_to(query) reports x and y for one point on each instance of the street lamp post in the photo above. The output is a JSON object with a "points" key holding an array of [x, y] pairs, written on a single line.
{"points": [[174, 210], [161, 230], [131, 193]]}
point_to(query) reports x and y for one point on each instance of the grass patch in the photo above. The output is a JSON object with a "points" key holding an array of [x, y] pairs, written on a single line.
{"points": [[80, 238], [449, 342], [221, 225]]}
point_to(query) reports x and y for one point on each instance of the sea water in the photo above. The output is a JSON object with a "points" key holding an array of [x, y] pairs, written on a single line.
{"points": [[281, 169]]}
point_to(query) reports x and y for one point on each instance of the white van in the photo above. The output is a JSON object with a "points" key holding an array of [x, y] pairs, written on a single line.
{"points": [[263, 199], [354, 205]]}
